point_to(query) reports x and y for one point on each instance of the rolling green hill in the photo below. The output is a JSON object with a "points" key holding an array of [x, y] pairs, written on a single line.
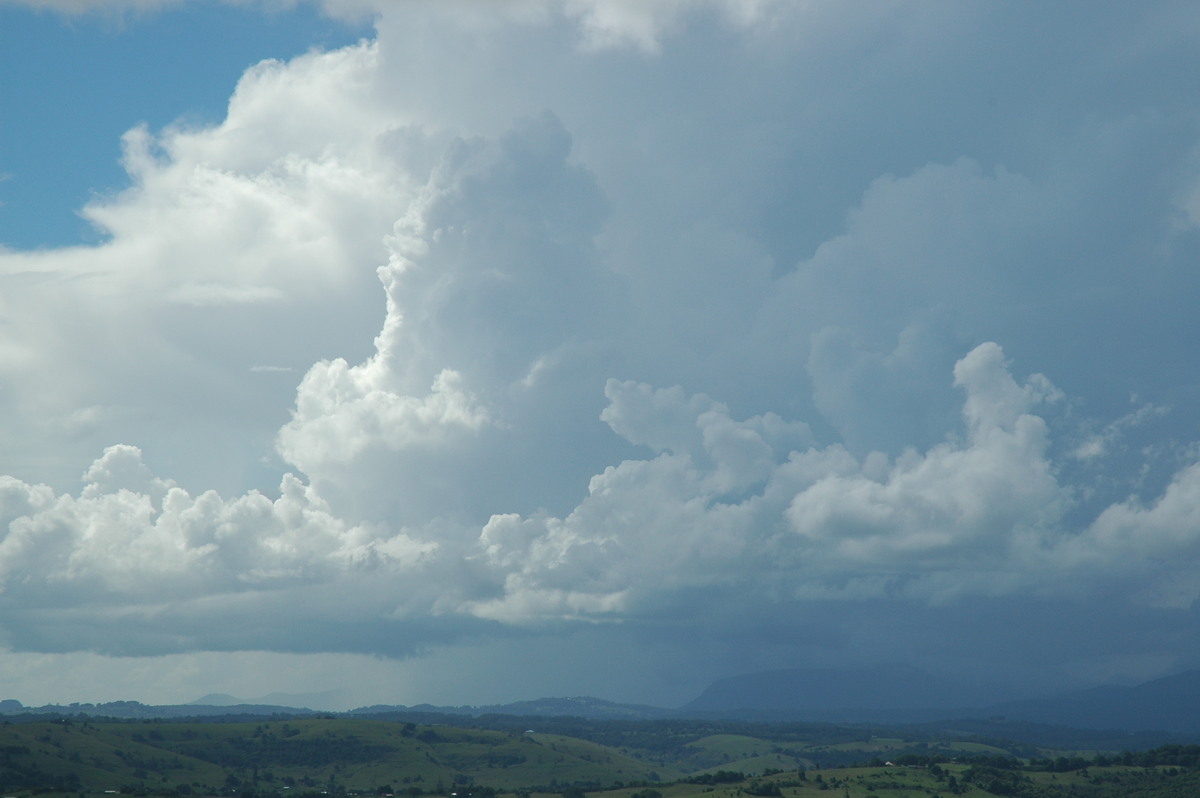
{"points": [[301, 754], [338, 756]]}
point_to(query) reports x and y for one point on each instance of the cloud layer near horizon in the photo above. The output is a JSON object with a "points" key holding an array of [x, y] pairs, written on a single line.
{"points": [[690, 321]]}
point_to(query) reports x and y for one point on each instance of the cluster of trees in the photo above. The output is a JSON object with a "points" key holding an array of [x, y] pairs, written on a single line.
{"points": [[765, 789], [1178, 756], [720, 777], [1181, 756]]}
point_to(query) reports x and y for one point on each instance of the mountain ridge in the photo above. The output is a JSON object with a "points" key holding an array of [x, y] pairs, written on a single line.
{"points": [[897, 695], [906, 695], [885, 688]]}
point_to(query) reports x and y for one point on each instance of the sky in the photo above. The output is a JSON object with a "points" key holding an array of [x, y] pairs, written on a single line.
{"points": [[469, 352]]}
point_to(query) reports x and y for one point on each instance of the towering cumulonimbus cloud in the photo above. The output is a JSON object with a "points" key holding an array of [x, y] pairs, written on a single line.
{"points": [[716, 329]]}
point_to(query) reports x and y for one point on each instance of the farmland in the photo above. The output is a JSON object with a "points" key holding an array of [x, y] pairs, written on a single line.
{"points": [[314, 756]]}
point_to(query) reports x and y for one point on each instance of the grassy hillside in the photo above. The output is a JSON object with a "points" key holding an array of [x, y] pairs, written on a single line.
{"points": [[345, 756], [328, 754]]}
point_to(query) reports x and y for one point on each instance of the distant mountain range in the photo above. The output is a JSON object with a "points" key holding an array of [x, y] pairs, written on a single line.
{"points": [[138, 710], [823, 691], [327, 701], [1171, 704], [895, 695], [579, 707], [907, 695]]}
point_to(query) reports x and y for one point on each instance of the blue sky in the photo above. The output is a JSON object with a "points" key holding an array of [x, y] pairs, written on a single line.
{"points": [[468, 352], [73, 85]]}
